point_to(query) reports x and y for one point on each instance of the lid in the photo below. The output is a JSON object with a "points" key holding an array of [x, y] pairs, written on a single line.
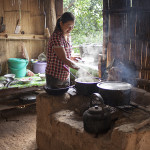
{"points": [[95, 110], [114, 85], [87, 80]]}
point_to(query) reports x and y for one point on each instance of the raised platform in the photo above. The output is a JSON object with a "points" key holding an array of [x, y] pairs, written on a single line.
{"points": [[60, 127]]}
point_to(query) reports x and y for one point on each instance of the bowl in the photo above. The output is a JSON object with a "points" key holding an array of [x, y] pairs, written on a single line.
{"points": [[42, 76], [9, 76], [26, 80]]}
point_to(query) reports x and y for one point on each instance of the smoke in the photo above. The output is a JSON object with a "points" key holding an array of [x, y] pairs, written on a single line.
{"points": [[122, 71]]}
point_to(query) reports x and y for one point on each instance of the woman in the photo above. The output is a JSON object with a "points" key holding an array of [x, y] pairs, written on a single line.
{"points": [[59, 53]]}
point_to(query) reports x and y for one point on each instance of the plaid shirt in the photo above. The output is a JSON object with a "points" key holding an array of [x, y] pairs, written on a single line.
{"points": [[54, 64]]}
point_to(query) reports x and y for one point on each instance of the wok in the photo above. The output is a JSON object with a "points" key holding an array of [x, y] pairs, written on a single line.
{"points": [[59, 91], [86, 86], [115, 93]]}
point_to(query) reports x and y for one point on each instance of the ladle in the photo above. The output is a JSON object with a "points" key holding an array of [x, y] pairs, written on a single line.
{"points": [[69, 71]]}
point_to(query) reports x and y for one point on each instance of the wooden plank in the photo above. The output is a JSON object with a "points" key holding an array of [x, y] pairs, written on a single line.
{"points": [[18, 90]]}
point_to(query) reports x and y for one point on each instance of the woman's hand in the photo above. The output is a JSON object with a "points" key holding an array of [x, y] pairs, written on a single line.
{"points": [[75, 67], [60, 52]]}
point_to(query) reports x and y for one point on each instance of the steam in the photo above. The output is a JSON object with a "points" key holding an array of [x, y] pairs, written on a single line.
{"points": [[89, 64]]}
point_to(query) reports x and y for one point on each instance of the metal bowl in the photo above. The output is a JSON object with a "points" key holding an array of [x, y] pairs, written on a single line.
{"points": [[9, 76]]}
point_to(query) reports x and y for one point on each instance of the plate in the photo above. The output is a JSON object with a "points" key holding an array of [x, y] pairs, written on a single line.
{"points": [[26, 80]]}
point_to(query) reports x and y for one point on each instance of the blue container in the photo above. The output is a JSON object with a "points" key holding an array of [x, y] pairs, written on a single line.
{"points": [[18, 66]]}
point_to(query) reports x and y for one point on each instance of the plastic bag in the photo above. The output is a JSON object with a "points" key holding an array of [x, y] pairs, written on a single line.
{"points": [[42, 57]]}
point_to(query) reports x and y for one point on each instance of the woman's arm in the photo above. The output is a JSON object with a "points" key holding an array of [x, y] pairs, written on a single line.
{"points": [[60, 52]]}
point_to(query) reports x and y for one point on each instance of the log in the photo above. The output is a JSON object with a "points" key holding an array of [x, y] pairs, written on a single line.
{"points": [[142, 124]]}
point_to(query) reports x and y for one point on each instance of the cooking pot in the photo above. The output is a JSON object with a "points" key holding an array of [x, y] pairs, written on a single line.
{"points": [[97, 118], [115, 93], [86, 85]]}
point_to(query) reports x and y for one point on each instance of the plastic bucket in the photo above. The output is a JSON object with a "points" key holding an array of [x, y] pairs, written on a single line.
{"points": [[39, 67], [18, 66]]}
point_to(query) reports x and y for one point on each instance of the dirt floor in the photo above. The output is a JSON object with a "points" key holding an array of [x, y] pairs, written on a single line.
{"points": [[18, 129]]}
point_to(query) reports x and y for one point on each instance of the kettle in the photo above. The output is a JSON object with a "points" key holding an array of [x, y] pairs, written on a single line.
{"points": [[97, 119]]}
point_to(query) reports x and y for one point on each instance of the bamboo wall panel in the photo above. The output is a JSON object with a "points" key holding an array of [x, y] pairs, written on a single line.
{"points": [[118, 4], [117, 27], [10, 5], [37, 25], [129, 33], [32, 22], [142, 4], [1, 8], [36, 7], [117, 51]]}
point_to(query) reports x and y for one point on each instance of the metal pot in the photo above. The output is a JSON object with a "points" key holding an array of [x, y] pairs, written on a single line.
{"points": [[115, 93], [97, 119], [86, 87]]}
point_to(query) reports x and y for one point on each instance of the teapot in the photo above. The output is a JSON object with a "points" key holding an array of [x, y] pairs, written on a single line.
{"points": [[97, 119]]}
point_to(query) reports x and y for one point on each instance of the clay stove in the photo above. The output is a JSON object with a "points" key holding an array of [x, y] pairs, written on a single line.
{"points": [[60, 127]]}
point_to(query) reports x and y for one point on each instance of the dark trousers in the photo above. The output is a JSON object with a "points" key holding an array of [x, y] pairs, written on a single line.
{"points": [[52, 82]]}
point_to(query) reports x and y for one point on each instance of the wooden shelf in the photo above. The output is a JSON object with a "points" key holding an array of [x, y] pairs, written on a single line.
{"points": [[7, 36]]}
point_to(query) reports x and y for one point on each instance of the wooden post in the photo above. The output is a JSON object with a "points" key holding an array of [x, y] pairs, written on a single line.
{"points": [[50, 14], [59, 8]]}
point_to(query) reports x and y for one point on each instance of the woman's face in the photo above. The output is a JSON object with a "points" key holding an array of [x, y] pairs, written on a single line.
{"points": [[67, 27]]}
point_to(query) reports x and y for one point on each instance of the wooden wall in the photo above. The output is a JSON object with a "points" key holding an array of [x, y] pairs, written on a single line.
{"points": [[31, 14], [127, 33]]}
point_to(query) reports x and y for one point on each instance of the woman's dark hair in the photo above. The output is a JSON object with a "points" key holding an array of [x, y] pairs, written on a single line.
{"points": [[67, 16]]}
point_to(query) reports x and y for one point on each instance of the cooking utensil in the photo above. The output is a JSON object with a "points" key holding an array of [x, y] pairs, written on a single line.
{"points": [[27, 98], [18, 27], [97, 119], [86, 85], [59, 91], [26, 80], [9, 76], [2, 26], [69, 71], [115, 93]]}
